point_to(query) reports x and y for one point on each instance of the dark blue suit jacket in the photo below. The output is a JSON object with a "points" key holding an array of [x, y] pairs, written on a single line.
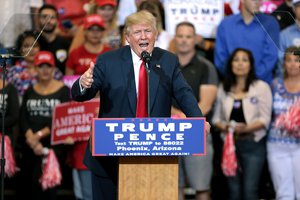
{"points": [[114, 78]]}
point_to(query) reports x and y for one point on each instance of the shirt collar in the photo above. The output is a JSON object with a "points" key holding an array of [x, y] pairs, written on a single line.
{"points": [[135, 58], [240, 18], [191, 62]]}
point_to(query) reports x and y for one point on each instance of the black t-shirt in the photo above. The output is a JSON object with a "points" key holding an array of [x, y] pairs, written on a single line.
{"points": [[36, 109], [11, 101], [284, 15], [237, 113], [59, 48], [196, 74]]}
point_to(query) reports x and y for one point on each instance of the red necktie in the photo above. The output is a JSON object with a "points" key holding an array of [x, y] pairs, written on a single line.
{"points": [[141, 108]]}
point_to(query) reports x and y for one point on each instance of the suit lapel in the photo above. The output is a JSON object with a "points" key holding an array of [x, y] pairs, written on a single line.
{"points": [[128, 74], [155, 71]]}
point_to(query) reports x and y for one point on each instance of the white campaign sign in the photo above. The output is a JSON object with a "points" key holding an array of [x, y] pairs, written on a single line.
{"points": [[206, 15]]}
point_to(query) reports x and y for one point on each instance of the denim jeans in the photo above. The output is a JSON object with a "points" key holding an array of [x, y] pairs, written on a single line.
{"points": [[251, 156], [82, 184]]}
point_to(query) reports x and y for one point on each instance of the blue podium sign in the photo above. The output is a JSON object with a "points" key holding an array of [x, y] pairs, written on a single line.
{"points": [[148, 137]]}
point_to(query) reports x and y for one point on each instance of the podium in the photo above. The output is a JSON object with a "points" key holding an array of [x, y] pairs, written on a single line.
{"points": [[148, 151], [148, 178]]}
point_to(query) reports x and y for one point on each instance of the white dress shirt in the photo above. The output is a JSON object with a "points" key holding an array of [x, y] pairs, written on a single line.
{"points": [[137, 61]]}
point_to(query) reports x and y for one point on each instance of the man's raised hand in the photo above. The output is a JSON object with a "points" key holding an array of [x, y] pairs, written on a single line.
{"points": [[86, 80]]}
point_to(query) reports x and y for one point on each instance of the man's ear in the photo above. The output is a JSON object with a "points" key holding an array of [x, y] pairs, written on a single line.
{"points": [[127, 38]]}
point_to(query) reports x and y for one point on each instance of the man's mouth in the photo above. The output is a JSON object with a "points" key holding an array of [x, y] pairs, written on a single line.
{"points": [[143, 45]]}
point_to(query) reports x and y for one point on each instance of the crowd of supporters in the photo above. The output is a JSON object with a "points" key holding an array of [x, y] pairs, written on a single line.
{"points": [[249, 73]]}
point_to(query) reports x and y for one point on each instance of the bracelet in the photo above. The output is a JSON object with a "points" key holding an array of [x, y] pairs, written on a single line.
{"points": [[40, 134]]}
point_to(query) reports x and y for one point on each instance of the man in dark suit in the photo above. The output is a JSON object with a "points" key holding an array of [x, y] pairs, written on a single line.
{"points": [[116, 77]]}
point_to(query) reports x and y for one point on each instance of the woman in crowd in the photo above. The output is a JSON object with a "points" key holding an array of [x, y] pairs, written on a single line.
{"points": [[24, 73], [163, 38], [107, 9], [283, 144], [10, 101], [38, 103], [247, 101], [11, 105]]}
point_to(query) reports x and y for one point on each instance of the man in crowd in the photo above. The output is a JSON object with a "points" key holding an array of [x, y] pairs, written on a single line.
{"points": [[254, 31], [290, 36], [50, 40], [201, 76], [284, 14]]}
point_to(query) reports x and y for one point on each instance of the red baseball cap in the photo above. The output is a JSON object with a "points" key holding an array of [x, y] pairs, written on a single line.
{"points": [[44, 57], [93, 20], [106, 2]]}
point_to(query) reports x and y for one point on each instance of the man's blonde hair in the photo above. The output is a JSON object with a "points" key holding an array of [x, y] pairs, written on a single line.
{"points": [[153, 8], [141, 17]]}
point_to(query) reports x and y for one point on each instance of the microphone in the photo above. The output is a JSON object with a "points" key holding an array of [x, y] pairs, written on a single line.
{"points": [[6, 56], [6, 53], [146, 56]]}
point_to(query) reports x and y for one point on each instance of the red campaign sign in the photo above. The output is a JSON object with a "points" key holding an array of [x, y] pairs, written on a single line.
{"points": [[73, 119]]}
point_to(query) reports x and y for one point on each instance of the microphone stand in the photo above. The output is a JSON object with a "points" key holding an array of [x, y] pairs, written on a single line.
{"points": [[148, 87], [3, 130]]}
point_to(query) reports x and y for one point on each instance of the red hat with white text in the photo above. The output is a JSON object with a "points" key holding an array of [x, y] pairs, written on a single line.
{"points": [[44, 57], [93, 20], [106, 2]]}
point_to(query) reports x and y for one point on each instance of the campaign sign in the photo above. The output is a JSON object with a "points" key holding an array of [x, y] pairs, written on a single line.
{"points": [[73, 119], [206, 15], [149, 137]]}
